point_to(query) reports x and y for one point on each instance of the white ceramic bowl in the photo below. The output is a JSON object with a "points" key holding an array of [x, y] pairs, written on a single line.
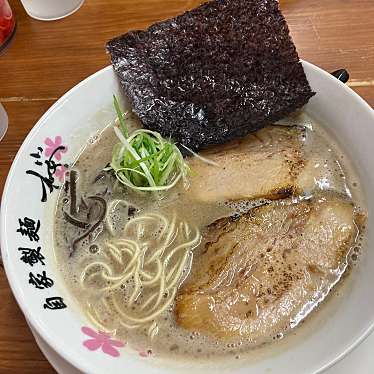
{"points": [[3, 122], [69, 122]]}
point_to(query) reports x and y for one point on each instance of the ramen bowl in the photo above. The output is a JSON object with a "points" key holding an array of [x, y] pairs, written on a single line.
{"points": [[27, 219]]}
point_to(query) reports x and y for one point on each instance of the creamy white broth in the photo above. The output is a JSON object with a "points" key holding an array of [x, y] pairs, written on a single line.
{"points": [[331, 171]]}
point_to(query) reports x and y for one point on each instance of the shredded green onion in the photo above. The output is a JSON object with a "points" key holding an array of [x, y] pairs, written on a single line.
{"points": [[144, 160], [201, 158]]}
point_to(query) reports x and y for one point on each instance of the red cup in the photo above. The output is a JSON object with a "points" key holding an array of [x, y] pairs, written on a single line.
{"points": [[7, 23]]}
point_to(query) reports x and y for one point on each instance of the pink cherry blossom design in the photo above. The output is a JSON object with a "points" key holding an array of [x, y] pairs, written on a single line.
{"points": [[144, 353], [52, 145], [60, 173], [103, 340]]}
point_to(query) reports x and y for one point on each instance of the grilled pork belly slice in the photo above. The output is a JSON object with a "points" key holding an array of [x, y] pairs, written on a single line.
{"points": [[260, 273], [272, 163], [265, 164]]}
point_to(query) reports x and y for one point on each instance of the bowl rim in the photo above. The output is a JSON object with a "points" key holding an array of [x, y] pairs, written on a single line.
{"points": [[47, 334]]}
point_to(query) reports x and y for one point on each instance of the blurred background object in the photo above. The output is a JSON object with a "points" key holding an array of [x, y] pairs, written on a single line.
{"points": [[3, 121], [7, 24], [50, 10]]}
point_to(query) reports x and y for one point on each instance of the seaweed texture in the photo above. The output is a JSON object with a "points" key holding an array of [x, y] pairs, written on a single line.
{"points": [[220, 71]]}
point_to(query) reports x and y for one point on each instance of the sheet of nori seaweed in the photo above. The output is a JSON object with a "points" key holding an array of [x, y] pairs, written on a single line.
{"points": [[220, 71]]}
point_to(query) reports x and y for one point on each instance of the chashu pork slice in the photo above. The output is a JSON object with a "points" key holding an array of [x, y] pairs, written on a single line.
{"points": [[260, 273], [270, 164], [266, 164]]}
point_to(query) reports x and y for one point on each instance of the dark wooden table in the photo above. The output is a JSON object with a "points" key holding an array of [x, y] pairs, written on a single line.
{"points": [[48, 58]]}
